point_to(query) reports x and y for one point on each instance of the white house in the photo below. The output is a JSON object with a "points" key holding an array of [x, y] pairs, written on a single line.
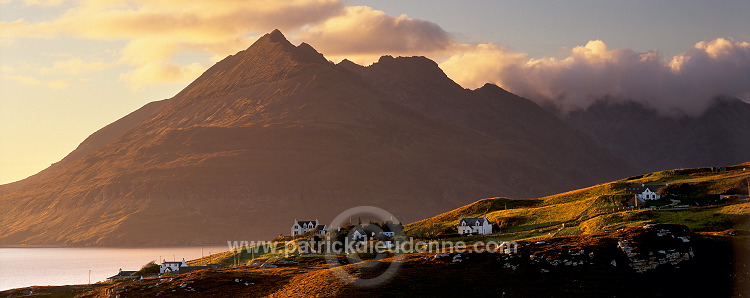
{"points": [[359, 235], [303, 226], [470, 226], [321, 230], [645, 192], [171, 266]]}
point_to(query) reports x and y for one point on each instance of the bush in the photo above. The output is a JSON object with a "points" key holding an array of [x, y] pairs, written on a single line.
{"points": [[151, 268], [663, 201], [683, 190]]}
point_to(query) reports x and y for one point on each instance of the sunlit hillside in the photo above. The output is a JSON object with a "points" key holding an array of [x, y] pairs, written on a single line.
{"points": [[601, 208]]}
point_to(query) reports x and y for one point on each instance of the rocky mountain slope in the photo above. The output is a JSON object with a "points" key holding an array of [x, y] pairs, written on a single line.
{"points": [[654, 142], [277, 132]]}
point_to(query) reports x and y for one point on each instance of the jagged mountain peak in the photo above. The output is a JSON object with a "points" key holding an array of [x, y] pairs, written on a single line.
{"points": [[270, 59], [274, 44], [349, 65], [275, 36]]}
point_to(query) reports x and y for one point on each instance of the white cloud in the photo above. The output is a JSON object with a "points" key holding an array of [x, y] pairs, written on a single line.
{"points": [[362, 30], [685, 84]]}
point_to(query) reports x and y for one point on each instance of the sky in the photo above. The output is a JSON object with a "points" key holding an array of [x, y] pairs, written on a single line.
{"points": [[68, 68]]}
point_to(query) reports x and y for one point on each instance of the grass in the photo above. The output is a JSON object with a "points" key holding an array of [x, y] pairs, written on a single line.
{"points": [[600, 208], [589, 210]]}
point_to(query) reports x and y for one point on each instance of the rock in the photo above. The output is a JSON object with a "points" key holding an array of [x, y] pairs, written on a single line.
{"points": [[457, 258], [440, 256]]}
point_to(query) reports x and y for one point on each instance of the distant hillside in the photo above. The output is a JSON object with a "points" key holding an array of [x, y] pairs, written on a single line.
{"points": [[720, 136], [600, 208]]}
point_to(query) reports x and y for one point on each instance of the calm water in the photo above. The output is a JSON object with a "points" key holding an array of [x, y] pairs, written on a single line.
{"points": [[23, 267]]}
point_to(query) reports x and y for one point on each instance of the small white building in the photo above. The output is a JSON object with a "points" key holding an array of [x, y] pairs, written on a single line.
{"points": [[321, 230], [303, 226], [171, 266], [645, 192], [359, 235], [470, 226]]}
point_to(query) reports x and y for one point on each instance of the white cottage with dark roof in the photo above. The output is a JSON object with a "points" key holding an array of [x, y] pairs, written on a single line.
{"points": [[470, 226], [303, 226], [645, 192], [171, 266]]}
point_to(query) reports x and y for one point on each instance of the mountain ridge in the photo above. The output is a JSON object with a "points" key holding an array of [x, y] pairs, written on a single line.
{"points": [[276, 132], [720, 136]]}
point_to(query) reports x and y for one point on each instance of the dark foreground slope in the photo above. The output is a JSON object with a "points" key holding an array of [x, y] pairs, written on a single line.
{"points": [[591, 266], [277, 132]]}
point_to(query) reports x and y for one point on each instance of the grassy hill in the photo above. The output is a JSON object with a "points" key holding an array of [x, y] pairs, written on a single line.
{"points": [[590, 210], [576, 221], [601, 208], [602, 271]]}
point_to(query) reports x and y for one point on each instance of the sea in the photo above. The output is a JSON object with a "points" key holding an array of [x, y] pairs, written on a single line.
{"points": [[52, 266]]}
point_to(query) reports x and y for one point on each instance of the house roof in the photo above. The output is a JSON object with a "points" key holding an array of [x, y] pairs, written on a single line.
{"points": [[122, 274], [321, 227], [472, 221], [190, 269], [636, 189], [302, 222]]}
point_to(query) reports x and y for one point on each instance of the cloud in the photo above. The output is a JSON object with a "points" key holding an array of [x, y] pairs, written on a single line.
{"points": [[157, 30], [31, 81], [685, 84], [165, 73], [76, 66], [6, 69], [43, 2], [361, 30]]}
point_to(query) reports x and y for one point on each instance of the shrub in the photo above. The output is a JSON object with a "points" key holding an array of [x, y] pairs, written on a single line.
{"points": [[150, 268]]}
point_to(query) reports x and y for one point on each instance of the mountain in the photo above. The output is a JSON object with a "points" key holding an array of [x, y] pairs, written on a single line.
{"points": [[720, 136], [277, 132], [97, 140]]}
